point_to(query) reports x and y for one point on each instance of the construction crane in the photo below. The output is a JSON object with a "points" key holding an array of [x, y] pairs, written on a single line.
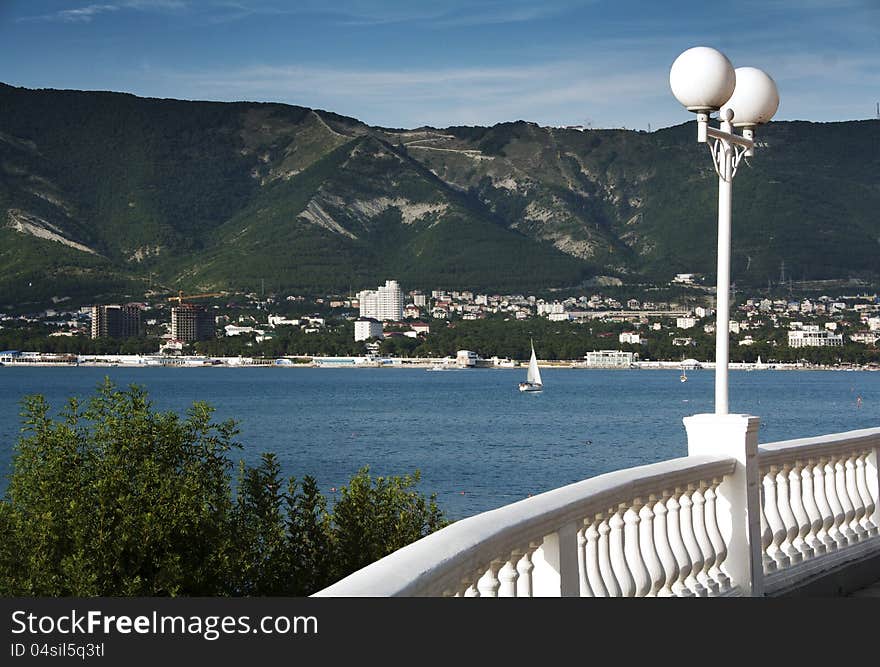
{"points": [[180, 296]]}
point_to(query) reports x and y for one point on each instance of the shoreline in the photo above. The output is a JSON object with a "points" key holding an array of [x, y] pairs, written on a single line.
{"points": [[337, 362]]}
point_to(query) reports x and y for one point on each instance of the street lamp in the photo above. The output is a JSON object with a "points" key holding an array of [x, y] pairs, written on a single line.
{"points": [[704, 81]]}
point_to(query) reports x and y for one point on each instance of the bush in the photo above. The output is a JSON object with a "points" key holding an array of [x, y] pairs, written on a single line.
{"points": [[118, 499]]}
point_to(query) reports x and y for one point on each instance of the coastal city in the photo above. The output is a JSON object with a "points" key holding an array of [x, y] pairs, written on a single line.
{"points": [[387, 326]]}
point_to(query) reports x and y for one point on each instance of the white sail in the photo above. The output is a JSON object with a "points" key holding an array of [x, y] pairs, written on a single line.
{"points": [[533, 375]]}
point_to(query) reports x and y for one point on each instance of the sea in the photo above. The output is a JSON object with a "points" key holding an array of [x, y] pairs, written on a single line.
{"points": [[477, 441]]}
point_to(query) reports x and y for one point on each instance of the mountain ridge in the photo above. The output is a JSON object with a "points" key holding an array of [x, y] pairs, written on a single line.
{"points": [[125, 192]]}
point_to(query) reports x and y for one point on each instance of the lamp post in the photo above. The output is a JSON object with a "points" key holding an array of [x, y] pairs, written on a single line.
{"points": [[704, 81]]}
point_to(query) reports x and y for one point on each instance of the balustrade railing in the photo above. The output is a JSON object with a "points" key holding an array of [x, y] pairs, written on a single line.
{"points": [[646, 531], [741, 520], [818, 502]]}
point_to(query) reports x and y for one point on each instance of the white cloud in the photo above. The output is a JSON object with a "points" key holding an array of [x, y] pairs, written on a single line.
{"points": [[87, 13]]}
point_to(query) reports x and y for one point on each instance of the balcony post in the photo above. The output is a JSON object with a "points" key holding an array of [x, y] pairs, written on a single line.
{"points": [[872, 480], [738, 508], [559, 552]]}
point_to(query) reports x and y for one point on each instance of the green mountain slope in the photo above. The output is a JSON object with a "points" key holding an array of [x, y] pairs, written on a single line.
{"points": [[106, 193]]}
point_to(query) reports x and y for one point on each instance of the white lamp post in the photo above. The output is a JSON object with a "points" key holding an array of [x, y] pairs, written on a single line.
{"points": [[704, 81]]}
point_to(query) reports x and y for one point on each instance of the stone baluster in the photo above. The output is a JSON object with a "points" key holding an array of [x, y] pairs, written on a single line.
{"points": [[489, 584], [769, 565], [524, 584], [845, 501], [679, 550], [852, 489], [648, 545], [632, 544], [811, 507], [592, 556], [824, 505], [612, 588], [701, 531], [470, 587], [771, 512], [508, 575], [836, 530], [618, 553], [664, 547], [783, 502], [801, 517], [865, 493], [718, 543], [583, 580], [688, 536]]}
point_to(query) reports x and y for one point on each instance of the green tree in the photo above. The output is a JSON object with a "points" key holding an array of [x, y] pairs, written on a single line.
{"points": [[375, 517], [120, 499]]}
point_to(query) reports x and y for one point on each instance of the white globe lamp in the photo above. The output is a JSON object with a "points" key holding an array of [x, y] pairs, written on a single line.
{"points": [[754, 100], [702, 79]]}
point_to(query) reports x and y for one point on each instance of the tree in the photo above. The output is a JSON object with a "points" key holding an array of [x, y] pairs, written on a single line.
{"points": [[118, 499]]}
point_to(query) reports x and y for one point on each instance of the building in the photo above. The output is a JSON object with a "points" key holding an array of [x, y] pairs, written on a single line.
{"points": [[550, 308], [610, 359], [366, 328], [466, 359], [383, 303], [116, 321], [280, 320], [630, 338], [685, 322], [419, 299], [191, 322], [812, 335]]}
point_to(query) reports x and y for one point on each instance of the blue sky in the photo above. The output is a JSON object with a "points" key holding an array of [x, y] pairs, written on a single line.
{"points": [[601, 63]]}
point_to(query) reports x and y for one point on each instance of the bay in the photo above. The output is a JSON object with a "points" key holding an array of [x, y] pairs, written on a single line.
{"points": [[478, 442]]}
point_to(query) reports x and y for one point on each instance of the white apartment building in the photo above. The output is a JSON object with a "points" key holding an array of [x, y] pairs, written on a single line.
{"points": [[548, 308], [812, 335], [383, 303], [685, 322], [630, 337], [365, 328]]}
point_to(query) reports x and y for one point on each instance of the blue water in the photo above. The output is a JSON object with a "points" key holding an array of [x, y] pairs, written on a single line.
{"points": [[478, 442]]}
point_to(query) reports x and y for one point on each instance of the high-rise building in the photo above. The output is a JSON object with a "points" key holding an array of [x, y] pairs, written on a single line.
{"points": [[116, 321], [191, 322], [384, 303]]}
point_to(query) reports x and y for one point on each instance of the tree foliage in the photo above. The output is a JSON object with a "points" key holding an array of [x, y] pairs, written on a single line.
{"points": [[117, 499]]}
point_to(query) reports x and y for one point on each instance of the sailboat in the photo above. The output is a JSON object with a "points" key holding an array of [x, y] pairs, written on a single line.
{"points": [[533, 375], [684, 376]]}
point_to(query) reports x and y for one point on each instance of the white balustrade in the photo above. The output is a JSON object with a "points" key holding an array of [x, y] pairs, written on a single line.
{"points": [[825, 490], [747, 519], [618, 544]]}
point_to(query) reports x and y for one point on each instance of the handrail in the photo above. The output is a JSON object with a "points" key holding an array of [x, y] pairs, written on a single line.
{"points": [[823, 445], [440, 562]]}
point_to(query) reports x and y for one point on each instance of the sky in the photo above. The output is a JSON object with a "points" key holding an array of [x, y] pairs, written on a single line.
{"points": [[597, 63]]}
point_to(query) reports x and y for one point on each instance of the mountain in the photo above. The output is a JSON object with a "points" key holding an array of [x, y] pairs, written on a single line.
{"points": [[107, 194]]}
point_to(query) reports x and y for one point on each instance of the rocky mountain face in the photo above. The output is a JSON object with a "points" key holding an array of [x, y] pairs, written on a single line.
{"points": [[110, 194]]}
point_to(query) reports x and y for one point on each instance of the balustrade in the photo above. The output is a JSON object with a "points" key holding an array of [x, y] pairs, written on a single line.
{"points": [[820, 497], [665, 529]]}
